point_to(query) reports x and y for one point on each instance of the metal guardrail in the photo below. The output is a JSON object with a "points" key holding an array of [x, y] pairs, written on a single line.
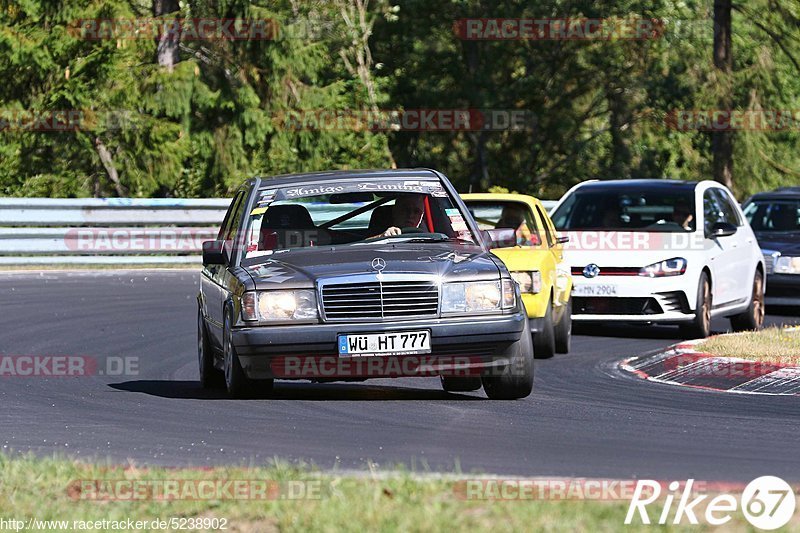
{"points": [[37, 231], [111, 231], [111, 211]]}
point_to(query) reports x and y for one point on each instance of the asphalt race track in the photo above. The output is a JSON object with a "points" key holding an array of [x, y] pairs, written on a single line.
{"points": [[584, 418]]}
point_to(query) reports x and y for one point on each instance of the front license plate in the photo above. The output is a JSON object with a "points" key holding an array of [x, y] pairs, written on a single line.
{"points": [[595, 290], [368, 344]]}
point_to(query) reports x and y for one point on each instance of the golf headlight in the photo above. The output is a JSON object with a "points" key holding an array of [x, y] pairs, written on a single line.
{"points": [[671, 267], [528, 281], [279, 305], [787, 265], [479, 296]]}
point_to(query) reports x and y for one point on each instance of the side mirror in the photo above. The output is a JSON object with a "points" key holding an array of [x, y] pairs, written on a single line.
{"points": [[723, 229], [214, 253], [500, 237]]}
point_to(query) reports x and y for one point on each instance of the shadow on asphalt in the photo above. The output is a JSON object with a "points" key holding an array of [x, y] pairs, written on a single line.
{"points": [[783, 310], [608, 329], [775, 316], [285, 390]]}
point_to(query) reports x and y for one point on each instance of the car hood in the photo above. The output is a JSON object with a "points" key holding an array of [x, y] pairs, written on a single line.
{"points": [[523, 258], [785, 243], [301, 267]]}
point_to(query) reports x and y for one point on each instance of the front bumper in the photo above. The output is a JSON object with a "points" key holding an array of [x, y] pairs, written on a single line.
{"points": [[668, 300], [456, 344], [783, 289]]}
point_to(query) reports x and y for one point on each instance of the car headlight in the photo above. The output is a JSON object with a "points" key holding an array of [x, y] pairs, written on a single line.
{"points": [[671, 267], [528, 281], [279, 305], [787, 265], [480, 296]]}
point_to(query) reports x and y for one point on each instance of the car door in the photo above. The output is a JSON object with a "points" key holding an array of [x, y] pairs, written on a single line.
{"points": [[722, 250], [215, 278], [550, 235], [561, 282], [741, 244]]}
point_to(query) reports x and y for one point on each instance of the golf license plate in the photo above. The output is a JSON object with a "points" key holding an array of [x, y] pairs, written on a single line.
{"points": [[371, 344], [595, 290]]}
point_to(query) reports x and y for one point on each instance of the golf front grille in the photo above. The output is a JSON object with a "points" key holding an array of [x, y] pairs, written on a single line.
{"points": [[615, 306]]}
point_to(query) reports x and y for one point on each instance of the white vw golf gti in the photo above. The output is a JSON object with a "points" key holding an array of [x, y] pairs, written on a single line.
{"points": [[661, 251]]}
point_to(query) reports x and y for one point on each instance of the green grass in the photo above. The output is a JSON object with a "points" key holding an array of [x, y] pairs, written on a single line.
{"points": [[45, 489], [772, 344]]}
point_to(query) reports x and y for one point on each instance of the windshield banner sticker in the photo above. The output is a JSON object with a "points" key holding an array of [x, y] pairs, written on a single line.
{"points": [[428, 187]]}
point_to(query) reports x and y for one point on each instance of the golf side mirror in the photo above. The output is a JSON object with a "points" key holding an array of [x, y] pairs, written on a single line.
{"points": [[723, 229]]}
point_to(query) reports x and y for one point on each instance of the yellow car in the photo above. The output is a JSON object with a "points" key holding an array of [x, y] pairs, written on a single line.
{"points": [[536, 263]]}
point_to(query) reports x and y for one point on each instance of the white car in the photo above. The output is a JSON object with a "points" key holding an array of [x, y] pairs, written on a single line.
{"points": [[661, 251]]}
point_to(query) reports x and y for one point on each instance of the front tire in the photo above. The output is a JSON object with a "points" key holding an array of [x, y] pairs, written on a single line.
{"points": [[516, 380], [753, 317], [210, 377], [700, 327], [237, 383], [544, 342], [563, 330]]}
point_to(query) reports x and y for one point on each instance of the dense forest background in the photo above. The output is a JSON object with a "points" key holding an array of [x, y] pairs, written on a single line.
{"points": [[164, 116]]}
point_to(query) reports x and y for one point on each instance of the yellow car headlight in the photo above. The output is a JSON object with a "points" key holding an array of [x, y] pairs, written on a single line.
{"points": [[529, 282]]}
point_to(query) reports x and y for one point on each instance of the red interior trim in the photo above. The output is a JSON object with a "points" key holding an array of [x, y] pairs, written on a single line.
{"points": [[428, 220]]}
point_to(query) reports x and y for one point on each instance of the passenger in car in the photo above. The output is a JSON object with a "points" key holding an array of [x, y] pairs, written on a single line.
{"points": [[513, 216], [611, 216], [682, 215], [784, 218]]}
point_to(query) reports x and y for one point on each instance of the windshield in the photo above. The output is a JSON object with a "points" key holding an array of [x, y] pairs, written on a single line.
{"points": [[321, 214], [506, 214], [774, 215], [628, 209]]}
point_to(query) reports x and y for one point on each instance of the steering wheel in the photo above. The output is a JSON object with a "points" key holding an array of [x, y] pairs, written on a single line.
{"points": [[410, 229]]}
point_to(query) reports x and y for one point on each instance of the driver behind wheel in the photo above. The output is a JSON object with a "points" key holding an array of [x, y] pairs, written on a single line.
{"points": [[407, 212]]}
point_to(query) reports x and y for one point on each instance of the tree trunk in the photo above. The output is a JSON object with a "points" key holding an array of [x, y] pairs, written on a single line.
{"points": [[722, 141], [108, 164], [620, 129], [479, 176], [167, 42]]}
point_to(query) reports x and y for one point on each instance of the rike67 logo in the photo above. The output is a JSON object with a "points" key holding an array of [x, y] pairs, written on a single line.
{"points": [[767, 502]]}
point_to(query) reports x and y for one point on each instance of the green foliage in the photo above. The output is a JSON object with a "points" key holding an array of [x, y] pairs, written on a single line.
{"points": [[596, 108]]}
